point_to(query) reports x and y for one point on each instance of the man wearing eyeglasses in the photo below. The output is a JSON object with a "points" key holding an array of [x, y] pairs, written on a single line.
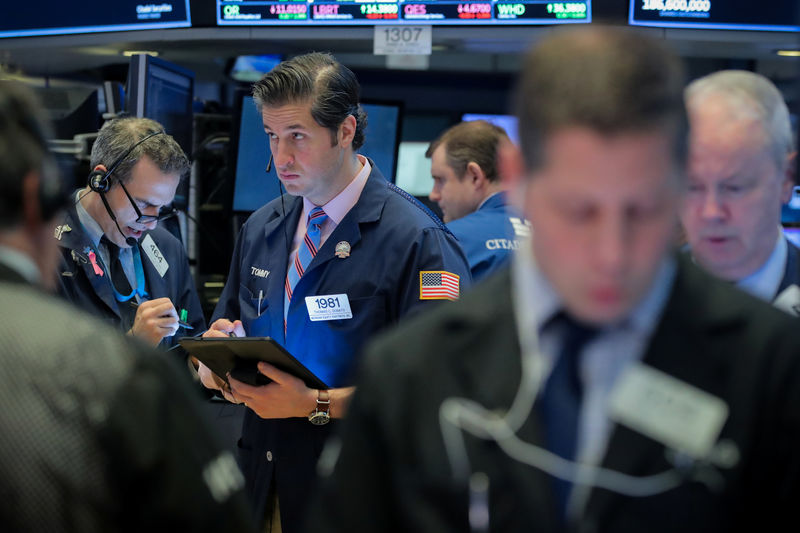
{"points": [[116, 263]]}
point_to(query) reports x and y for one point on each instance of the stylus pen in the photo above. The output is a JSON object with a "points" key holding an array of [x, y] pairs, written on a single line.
{"points": [[181, 323]]}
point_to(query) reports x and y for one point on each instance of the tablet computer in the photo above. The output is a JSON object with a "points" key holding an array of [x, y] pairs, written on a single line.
{"points": [[240, 356]]}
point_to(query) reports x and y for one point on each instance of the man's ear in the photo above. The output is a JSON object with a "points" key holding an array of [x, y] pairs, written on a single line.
{"points": [[475, 174], [347, 130]]}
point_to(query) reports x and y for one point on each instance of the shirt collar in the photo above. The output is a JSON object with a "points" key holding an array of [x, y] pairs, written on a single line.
{"points": [[540, 309], [21, 264], [342, 203], [90, 225], [493, 200], [764, 282]]}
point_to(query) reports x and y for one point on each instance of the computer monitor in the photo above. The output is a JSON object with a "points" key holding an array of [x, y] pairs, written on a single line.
{"points": [[382, 136], [253, 187], [163, 91], [507, 122], [773, 15], [311, 13], [414, 169], [57, 17], [251, 68]]}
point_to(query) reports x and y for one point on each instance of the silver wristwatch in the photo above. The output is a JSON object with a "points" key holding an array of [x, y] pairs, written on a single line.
{"points": [[321, 414]]}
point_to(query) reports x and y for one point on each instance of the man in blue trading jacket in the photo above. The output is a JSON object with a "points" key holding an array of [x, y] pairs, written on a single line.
{"points": [[116, 263], [468, 190], [741, 169], [343, 237]]}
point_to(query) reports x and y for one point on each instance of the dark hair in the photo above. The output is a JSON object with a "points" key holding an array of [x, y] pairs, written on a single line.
{"points": [[610, 80], [332, 88], [23, 149], [475, 141], [117, 136]]}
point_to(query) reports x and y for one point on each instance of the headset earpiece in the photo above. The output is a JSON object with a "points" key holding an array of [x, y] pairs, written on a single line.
{"points": [[99, 181]]}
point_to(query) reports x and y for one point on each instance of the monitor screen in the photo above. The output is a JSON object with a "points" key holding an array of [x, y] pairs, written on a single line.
{"points": [[382, 136], [57, 17], [378, 12], [253, 187], [507, 122], [414, 169], [163, 91], [771, 15], [252, 68]]}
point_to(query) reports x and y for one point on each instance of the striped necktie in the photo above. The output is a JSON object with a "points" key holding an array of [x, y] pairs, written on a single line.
{"points": [[305, 254]]}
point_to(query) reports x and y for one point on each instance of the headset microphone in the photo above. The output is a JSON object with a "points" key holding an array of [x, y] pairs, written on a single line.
{"points": [[130, 241], [269, 163]]}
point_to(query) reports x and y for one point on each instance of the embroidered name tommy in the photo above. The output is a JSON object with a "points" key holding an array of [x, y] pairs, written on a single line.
{"points": [[260, 272]]}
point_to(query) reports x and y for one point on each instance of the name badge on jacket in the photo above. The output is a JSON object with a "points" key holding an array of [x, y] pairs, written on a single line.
{"points": [[789, 300], [668, 410], [154, 254], [328, 307]]}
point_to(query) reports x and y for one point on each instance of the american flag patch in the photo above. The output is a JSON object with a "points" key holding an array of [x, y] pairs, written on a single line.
{"points": [[438, 285]]}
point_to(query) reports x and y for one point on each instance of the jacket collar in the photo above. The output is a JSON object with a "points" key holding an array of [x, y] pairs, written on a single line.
{"points": [[698, 311], [76, 245]]}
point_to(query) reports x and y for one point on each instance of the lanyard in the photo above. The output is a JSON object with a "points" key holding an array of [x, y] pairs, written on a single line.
{"points": [[139, 288], [138, 269]]}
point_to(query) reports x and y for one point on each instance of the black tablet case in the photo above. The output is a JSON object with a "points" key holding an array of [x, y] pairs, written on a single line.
{"points": [[240, 355]]}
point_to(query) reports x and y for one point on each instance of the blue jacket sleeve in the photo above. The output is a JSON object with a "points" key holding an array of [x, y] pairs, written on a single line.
{"points": [[435, 250]]}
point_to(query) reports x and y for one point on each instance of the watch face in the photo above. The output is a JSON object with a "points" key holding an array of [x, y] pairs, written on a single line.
{"points": [[319, 418]]}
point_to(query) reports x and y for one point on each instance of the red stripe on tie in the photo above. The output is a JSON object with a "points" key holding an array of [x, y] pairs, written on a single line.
{"points": [[298, 266], [288, 288], [310, 246]]}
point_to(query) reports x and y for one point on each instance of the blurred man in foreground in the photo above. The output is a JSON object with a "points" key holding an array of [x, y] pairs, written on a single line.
{"points": [[96, 433], [601, 384]]}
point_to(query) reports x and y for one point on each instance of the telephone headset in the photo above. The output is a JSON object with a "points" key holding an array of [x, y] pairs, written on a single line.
{"points": [[100, 182], [458, 416]]}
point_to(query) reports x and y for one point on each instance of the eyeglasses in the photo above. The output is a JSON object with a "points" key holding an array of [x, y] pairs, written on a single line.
{"points": [[164, 213]]}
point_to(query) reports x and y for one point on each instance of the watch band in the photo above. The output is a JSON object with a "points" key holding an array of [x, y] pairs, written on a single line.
{"points": [[321, 413]]}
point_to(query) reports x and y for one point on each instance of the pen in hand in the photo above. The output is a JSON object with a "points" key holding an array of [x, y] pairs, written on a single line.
{"points": [[181, 322]]}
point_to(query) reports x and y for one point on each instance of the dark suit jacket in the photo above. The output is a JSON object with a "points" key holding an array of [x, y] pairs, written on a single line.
{"points": [[791, 275], [80, 285], [99, 433], [393, 472]]}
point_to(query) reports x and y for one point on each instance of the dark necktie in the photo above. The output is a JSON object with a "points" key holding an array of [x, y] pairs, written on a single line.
{"points": [[120, 282], [561, 402]]}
